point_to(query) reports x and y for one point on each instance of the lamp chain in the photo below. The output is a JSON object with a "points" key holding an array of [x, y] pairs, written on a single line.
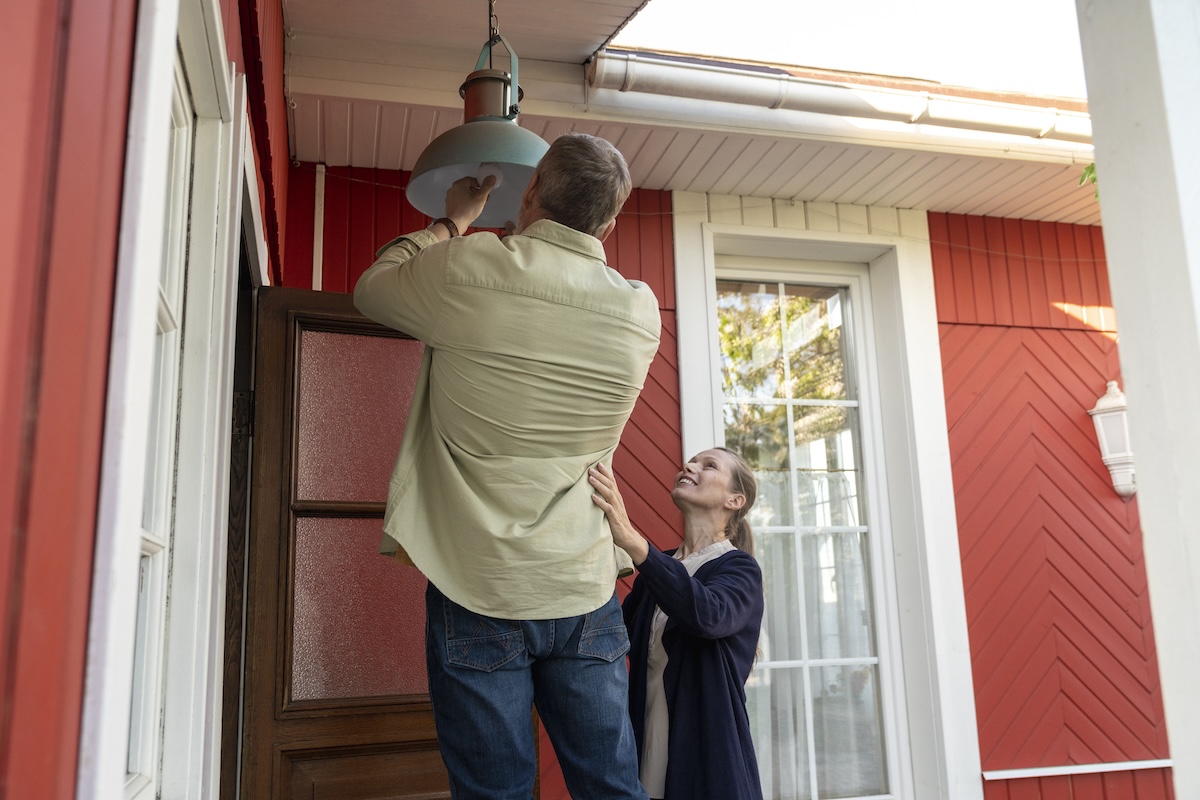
{"points": [[493, 26]]}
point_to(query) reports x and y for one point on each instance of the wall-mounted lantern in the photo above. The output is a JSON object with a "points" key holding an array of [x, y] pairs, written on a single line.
{"points": [[1112, 429]]}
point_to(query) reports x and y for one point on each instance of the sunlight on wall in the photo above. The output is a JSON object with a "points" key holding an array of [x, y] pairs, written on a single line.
{"points": [[1101, 318]]}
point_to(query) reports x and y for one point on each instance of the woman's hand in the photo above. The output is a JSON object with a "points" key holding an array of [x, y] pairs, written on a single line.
{"points": [[608, 498]]}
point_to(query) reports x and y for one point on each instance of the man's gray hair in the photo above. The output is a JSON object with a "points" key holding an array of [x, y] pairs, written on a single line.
{"points": [[582, 182]]}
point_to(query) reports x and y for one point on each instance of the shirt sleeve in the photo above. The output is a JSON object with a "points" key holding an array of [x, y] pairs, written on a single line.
{"points": [[403, 288], [719, 606]]}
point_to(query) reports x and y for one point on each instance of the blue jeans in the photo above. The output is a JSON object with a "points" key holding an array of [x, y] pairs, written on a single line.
{"points": [[486, 675]]}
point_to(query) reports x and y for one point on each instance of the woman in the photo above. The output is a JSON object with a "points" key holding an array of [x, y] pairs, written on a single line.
{"points": [[693, 616]]}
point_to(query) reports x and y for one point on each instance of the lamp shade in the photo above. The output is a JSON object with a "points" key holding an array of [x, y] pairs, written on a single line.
{"points": [[460, 152]]}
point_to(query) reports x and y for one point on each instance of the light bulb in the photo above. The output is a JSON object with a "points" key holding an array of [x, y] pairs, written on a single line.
{"points": [[490, 168]]}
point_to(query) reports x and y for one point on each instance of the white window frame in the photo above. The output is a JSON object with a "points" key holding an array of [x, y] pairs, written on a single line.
{"points": [[188, 751], [922, 586], [159, 479], [855, 278], [195, 634]]}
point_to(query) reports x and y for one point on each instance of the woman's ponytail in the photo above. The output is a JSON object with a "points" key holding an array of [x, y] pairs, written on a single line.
{"points": [[743, 482]]}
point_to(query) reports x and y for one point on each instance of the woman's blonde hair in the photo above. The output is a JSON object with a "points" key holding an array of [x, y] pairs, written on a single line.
{"points": [[743, 482]]}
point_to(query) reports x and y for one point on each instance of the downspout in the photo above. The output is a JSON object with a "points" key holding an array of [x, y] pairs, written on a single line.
{"points": [[771, 88]]}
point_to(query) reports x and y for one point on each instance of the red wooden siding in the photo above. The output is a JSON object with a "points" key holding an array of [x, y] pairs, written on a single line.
{"points": [[260, 34], [298, 261], [231, 26], [364, 208], [1147, 784], [1058, 608], [990, 271], [66, 89]]}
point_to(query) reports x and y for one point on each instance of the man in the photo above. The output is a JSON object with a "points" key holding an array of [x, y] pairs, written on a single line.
{"points": [[535, 354]]}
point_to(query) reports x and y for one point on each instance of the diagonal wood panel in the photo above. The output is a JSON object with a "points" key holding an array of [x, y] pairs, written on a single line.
{"points": [[1058, 611], [1052, 560], [1052, 564]]}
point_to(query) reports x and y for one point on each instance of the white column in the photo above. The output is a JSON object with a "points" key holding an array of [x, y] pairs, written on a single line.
{"points": [[1142, 60]]}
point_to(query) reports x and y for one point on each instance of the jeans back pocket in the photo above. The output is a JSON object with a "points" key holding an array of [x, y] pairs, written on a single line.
{"points": [[604, 634], [478, 642]]}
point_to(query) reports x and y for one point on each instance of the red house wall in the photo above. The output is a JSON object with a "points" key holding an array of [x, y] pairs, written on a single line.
{"points": [[65, 93], [1062, 645], [364, 208], [259, 35]]}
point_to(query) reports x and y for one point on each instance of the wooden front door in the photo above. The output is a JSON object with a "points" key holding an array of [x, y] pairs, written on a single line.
{"points": [[335, 701]]}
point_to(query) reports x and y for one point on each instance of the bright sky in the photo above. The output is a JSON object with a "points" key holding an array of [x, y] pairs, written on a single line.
{"points": [[1029, 46]]}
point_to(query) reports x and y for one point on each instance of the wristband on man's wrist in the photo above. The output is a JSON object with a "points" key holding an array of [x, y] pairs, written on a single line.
{"points": [[449, 223]]}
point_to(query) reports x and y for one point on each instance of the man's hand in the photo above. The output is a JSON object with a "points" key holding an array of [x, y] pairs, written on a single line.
{"points": [[465, 200]]}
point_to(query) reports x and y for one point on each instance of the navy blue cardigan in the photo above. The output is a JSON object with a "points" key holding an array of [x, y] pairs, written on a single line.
{"points": [[711, 635]]}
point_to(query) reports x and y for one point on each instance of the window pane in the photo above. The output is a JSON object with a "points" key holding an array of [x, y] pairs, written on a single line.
{"points": [[848, 732], [751, 339], [827, 477], [354, 395], [814, 341], [838, 599], [775, 702], [160, 414], [138, 693], [781, 638], [816, 724], [144, 697], [359, 623], [759, 433]]}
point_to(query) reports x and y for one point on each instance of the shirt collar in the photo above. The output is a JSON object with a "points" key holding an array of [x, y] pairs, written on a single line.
{"points": [[556, 233]]}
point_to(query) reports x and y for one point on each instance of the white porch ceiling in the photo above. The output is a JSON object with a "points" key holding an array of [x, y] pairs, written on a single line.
{"points": [[567, 31], [370, 83]]}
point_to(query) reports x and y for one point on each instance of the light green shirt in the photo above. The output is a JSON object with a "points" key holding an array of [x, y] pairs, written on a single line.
{"points": [[535, 354]]}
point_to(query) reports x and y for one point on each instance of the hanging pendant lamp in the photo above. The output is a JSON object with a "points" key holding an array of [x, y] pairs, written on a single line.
{"points": [[489, 142]]}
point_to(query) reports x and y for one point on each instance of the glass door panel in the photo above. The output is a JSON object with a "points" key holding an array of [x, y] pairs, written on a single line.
{"points": [[791, 409]]}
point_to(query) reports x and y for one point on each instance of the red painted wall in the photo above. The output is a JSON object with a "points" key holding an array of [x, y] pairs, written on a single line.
{"points": [[65, 94], [1058, 609], [364, 208], [1150, 784], [1062, 643], [260, 33], [231, 25]]}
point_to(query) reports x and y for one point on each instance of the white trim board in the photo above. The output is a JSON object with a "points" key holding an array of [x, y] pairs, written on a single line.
{"points": [[318, 258], [202, 44], [252, 220], [191, 726], [942, 734], [1142, 59], [1074, 769]]}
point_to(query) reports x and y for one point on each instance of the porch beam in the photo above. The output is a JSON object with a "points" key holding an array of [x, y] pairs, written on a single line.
{"points": [[1142, 62]]}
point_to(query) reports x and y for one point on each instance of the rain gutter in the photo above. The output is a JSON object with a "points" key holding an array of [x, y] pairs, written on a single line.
{"points": [[777, 89]]}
